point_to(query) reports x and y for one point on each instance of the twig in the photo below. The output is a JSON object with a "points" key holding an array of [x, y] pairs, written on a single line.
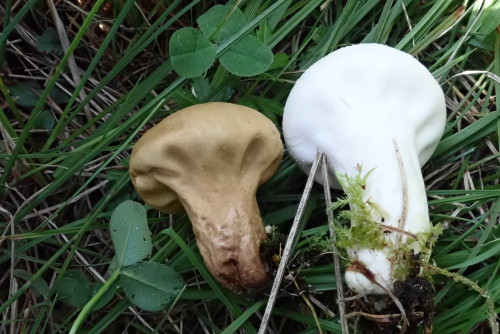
{"points": [[381, 317], [315, 316], [397, 230], [322, 306], [404, 183], [336, 265], [288, 247], [348, 299], [396, 301]]}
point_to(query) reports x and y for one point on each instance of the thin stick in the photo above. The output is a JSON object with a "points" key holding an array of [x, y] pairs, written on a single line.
{"points": [[336, 265], [397, 230], [404, 182], [381, 317], [288, 247], [315, 316]]}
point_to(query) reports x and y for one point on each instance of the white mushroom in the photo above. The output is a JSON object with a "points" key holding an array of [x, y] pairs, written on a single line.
{"points": [[373, 106]]}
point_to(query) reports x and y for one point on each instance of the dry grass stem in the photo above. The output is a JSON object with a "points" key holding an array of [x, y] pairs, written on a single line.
{"points": [[288, 246], [336, 262]]}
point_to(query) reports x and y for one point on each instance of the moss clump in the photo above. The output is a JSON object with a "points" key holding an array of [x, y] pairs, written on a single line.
{"points": [[365, 232], [271, 250], [406, 260]]}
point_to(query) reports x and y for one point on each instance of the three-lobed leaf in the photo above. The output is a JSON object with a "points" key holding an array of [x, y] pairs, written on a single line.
{"points": [[130, 233], [248, 57], [150, 286], [221, 22], [191, 52]]}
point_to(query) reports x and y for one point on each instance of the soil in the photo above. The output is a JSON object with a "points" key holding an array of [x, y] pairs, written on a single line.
{"points": [[379, 314]]}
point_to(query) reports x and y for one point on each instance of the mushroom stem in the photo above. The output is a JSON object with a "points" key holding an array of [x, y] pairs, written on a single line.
{"points": [[229, 232], [398, 190]]}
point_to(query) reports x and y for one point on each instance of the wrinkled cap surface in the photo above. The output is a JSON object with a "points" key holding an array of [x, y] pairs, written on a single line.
{"points": [[208, 160]]}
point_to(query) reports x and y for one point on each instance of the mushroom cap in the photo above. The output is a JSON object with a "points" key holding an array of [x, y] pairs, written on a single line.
{"points": [[208, 160], [355, 105], [215, 142], [363, 94]]}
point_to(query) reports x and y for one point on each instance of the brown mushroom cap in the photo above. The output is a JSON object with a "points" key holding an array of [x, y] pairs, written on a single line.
{"points": [[208, 160]]}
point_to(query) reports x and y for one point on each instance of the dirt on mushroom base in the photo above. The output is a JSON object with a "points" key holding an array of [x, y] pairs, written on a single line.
{"points": [[379, 314], [294, 283], [370, 314], [375, 314]]}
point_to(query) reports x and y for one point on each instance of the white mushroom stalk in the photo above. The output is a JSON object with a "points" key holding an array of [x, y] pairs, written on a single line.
{"points": [[372, 106]]}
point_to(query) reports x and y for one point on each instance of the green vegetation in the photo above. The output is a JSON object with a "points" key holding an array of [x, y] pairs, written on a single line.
{"points": [[364, 231], [356, 228], [81, 81]]}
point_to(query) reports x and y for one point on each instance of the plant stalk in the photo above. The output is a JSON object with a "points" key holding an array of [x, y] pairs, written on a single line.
{"points": [[93, 301]]}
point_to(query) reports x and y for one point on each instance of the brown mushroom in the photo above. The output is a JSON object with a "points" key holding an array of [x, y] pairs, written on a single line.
{"points": [[208, 160]]}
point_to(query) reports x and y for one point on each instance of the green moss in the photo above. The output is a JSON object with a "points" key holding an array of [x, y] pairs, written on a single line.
{"points": [[356, 228], [363, 231], [320, 242]]}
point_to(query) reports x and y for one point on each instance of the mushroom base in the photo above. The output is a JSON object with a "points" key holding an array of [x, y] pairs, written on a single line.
{"points": [[229, 233], [379, 313]]}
